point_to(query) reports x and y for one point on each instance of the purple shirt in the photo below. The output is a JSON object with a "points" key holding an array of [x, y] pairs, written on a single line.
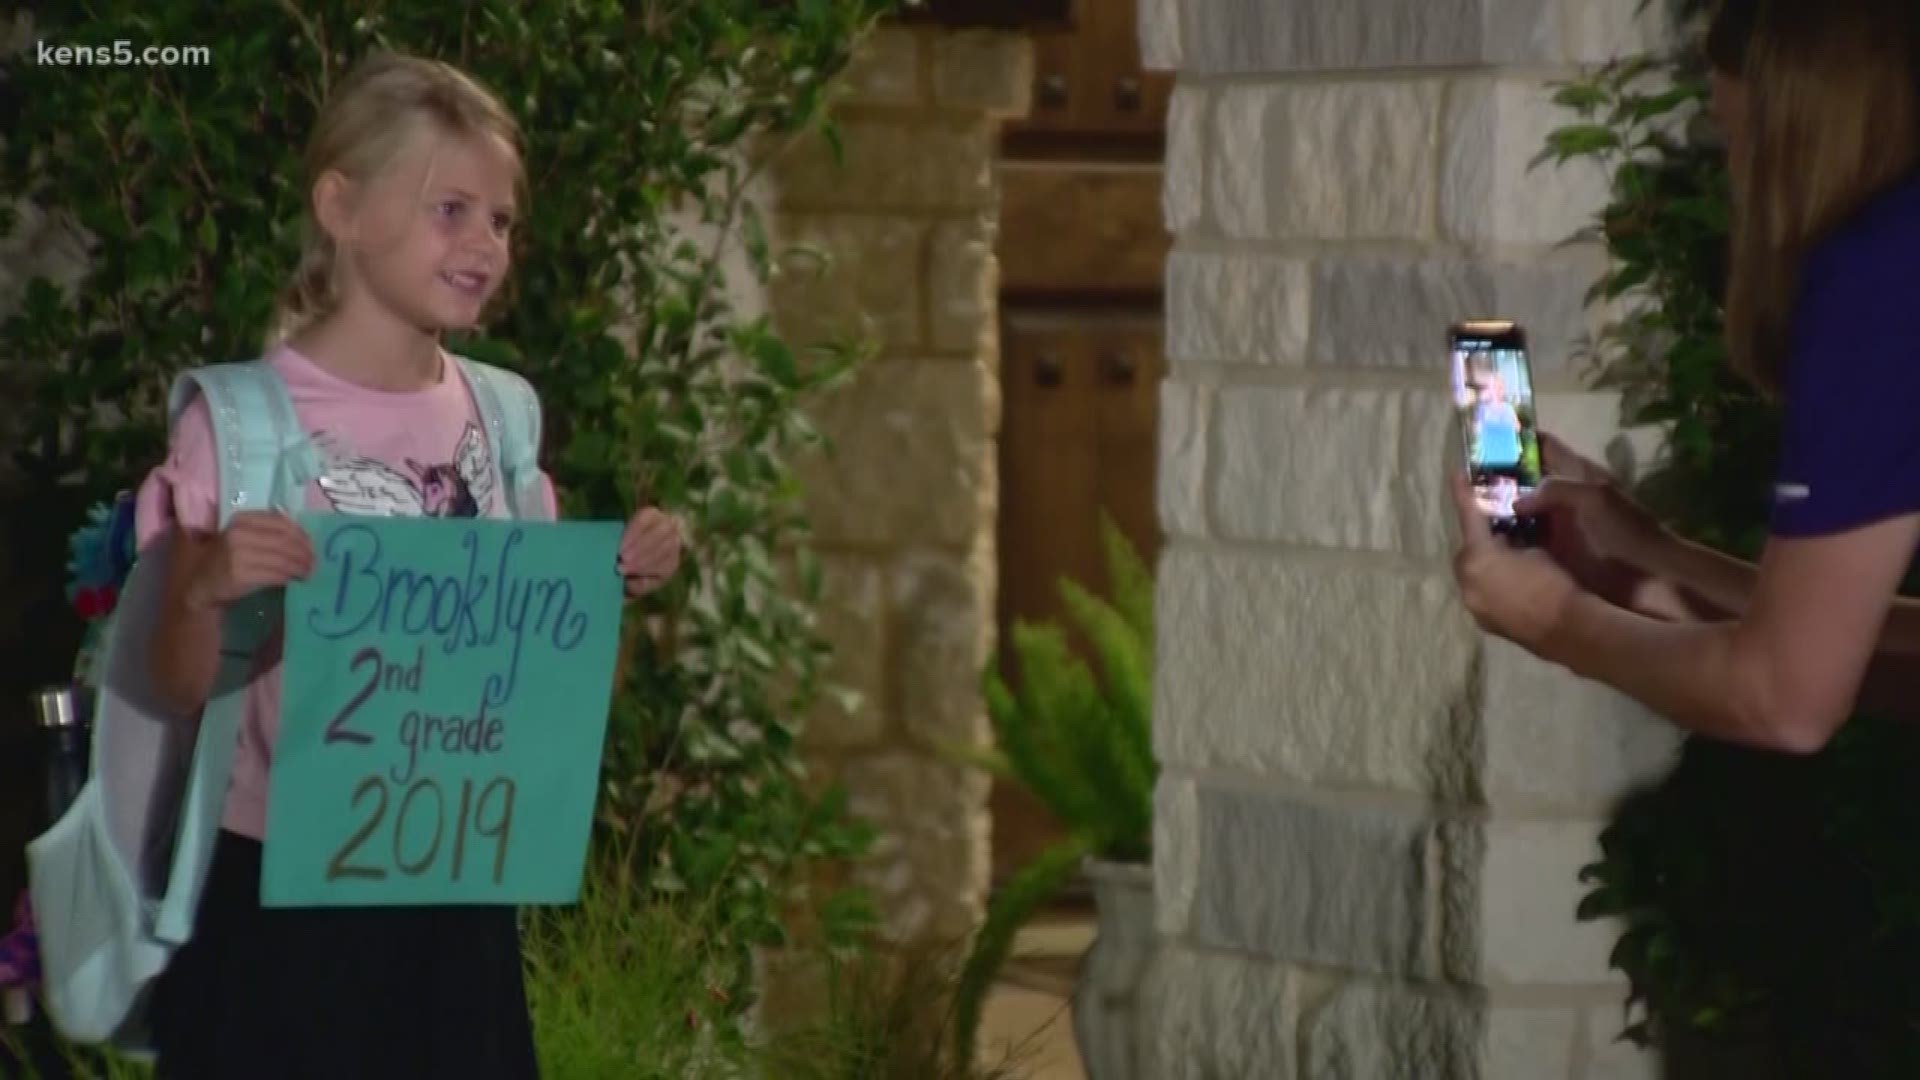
{"points": [[1850, 452]]}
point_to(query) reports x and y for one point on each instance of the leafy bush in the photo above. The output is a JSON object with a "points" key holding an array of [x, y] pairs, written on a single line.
{"points": [[886, 1017], [629, 984], [1764, 896], [184, 183], [1773, 898], [1081, 744], [632, 984], [62, 1061], [1665, 231]]}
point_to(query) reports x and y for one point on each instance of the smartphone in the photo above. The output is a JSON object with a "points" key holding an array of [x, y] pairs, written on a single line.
{"points": [[1493, 397]]}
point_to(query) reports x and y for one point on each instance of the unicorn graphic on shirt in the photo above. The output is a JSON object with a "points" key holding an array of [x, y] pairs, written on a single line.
{"points": [[462, 488]]}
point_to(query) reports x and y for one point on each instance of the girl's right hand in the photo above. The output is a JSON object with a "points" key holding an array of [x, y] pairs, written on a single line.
{"points": [[1586, 508], [258, 550]]}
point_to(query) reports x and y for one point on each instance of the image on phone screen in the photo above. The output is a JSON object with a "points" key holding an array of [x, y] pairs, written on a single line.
{"points": [[1493, 395]]}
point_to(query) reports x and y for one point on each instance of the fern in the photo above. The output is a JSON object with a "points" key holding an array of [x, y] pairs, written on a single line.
{"points": [[1124, 656], [1082, 744], [1041, 736], [1132, 583], [1012, 906], [1125, 736], [987, 760], [1088, 734], [1133, 598]]}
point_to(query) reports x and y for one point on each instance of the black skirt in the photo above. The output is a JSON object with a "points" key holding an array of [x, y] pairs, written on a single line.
{"points": [[416, 992]]}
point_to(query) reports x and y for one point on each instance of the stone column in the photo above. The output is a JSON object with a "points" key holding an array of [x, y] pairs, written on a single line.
{"points": [[1371, 817], [903, 506]]}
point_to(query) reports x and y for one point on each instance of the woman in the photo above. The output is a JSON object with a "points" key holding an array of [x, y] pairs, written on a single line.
{"points": [[1821, 102]]}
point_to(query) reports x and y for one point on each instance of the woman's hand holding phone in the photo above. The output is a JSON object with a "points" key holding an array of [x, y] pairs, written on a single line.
{"points": [[1592, 519], [1519, 594], [1608, 542]]}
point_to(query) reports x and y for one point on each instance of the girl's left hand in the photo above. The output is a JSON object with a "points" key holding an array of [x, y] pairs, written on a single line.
{"points": [[650, 551], [1517, 594]]}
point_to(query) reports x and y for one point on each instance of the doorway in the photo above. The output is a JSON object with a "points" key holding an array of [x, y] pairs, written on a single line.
{"points": [[1082, 245]]}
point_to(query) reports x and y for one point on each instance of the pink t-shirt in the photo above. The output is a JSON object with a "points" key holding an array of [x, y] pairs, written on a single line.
{"points": [[419, 453]]}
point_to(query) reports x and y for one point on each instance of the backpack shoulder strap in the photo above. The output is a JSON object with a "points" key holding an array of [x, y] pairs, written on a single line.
{"points": [[510, 410], [256, 434], [265, 461]]}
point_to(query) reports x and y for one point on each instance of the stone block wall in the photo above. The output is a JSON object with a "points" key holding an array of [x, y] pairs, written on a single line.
{"points": [[1371, 816], [903, 506]]}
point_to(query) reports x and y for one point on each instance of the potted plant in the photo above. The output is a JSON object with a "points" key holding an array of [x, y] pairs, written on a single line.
{"points": [[1081, 742]]}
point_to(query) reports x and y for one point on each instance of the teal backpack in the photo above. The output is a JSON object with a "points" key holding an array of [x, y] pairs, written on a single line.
{"points": [[116, 881]]}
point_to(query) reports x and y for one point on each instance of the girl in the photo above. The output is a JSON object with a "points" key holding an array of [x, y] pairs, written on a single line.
{"points": [[1821, 102], [413, 170], [1496, 426]]}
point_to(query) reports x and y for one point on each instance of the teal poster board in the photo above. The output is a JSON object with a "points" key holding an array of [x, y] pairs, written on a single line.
{"points": [[445, 698]]}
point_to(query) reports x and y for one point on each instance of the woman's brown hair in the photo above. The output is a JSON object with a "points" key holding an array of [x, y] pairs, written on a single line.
{"points": [[1833, 120]]}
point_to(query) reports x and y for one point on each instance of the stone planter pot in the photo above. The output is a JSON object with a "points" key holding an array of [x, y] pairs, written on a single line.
{"points": [[1114, 967]]}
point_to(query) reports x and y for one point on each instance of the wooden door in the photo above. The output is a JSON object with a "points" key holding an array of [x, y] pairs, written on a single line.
{"points": [[1090, 95], [1078, 441], [1082, 249]]}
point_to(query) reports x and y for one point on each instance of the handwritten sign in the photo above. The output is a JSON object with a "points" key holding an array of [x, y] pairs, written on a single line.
{"points": [[444, 702]]}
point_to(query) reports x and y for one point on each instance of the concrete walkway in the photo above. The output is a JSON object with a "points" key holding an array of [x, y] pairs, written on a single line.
{"points": [[1029, 1018]]}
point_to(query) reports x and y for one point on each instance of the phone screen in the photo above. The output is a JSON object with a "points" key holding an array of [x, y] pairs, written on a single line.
{"points": [[1493, 395]]}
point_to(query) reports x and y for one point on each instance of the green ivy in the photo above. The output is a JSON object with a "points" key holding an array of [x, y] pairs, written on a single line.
{"points": [[185, 180], [1764, 897], [1665, 232]]}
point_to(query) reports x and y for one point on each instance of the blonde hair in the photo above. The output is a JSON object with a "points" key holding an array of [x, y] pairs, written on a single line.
{"points": [[364, 125], [1833, 121]]}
